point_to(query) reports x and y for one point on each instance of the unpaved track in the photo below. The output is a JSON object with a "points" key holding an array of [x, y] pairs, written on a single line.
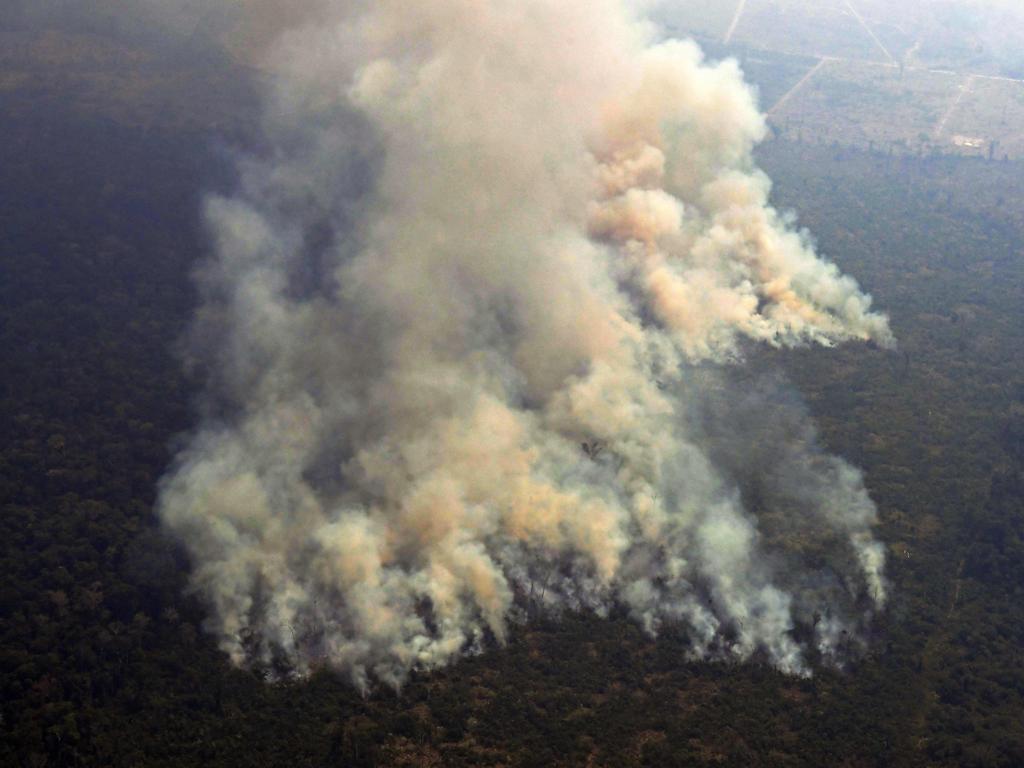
{"points": [[800, 84], [963, 89], [860, 20], [735, 21]]}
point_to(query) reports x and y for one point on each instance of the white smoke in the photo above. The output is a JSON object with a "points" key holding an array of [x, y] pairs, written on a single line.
{"points": [[470, 326]]}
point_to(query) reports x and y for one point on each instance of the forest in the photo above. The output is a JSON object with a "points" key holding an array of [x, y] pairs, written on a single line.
{"points": [[103, 656]]}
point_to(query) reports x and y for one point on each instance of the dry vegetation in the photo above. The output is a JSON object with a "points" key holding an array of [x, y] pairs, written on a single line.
{"points": [[918, 77], [812, 29], [856, 103], [993, 110]]}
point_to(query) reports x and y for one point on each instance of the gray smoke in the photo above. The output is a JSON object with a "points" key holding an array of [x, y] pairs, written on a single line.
{"points": [[474, 323]]}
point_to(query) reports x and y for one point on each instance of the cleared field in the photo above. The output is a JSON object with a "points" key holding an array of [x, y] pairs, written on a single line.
{"points": [[774, 77], [826, 28], [992, 111], [864, 104], [899, 39], [976, 36], [703, 18]]}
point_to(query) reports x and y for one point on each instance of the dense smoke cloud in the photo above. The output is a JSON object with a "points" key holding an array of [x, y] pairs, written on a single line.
{"points": [[473, 326]]}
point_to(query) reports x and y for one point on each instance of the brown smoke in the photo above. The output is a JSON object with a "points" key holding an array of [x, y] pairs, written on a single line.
{"points": [[491, 232]]}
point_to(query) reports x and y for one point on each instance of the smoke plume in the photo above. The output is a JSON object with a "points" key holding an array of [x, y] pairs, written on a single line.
{"points": [[474, 328]]}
